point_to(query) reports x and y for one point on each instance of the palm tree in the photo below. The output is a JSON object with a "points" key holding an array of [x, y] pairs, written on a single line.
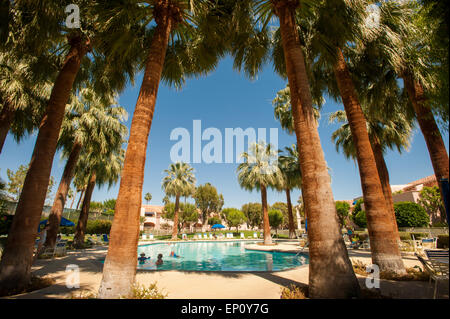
{"points": [[91, 121], [22, 96], [187, 53], [100, 169], [179, 180], [290, 169], [289, 61], [385, 133], [148, 197], [405, 42], [260, 171], [326, 47], [18, 254]]}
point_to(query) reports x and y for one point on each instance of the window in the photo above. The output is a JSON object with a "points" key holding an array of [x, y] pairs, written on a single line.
{"points": [[150, 214]]}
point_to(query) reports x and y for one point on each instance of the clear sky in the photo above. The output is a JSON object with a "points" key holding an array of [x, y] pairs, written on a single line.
{"points": [[227, 99]]}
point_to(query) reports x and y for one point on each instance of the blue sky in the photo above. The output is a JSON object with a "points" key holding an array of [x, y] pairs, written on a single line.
{"points": [[227, 99]]}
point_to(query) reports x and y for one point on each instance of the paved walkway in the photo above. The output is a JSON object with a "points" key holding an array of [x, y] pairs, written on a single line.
{"points": [[209, 285]]}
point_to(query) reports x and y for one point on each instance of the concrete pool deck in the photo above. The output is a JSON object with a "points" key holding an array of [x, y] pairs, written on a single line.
{"points": [[209, 285]]}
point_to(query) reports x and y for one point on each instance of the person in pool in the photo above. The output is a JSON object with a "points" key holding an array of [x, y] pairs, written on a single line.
{"points": [[142, 259], [172, 254], [159, 261]]}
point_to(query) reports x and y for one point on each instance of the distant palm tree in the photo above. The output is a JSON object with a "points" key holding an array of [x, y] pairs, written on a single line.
{"points": [[99, 169], [260, 171], [179, 181], [148, 197], [290, 168]]}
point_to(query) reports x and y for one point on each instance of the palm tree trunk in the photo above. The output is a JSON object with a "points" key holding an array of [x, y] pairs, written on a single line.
{"points": [[290, 215], [73, 199], [330, 270], [383, 242], [429, 128], [175, 218], [119, 270], [61, 195], [266, 224], [18, 254], [83, 191], [383, 173], [6, 119], [80, 229]]}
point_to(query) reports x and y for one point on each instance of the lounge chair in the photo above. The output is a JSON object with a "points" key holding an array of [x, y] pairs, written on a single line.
{"points": [[437, 256], [151, 237], [242, 235], [211, 236], [144, 237], [205, 236], [199, 236], [255, 235], [437, 270]]}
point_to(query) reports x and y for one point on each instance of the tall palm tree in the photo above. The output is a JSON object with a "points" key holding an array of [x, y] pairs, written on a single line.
{"points": [[386, 133], [100, 169], [90, 121], [290, 169], [48, 18], [180, 180], [326, 47], [289, 61], [259, 171], [405, 42], [181, 22]]}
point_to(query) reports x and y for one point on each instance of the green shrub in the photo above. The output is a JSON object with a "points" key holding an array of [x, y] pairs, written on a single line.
{"points": [[360, 219], [98, 227], [409, 214], [442, 241], [439, 224]]}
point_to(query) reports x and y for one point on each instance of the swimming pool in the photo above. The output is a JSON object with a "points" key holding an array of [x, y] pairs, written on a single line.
{"points": [[217, 256]]}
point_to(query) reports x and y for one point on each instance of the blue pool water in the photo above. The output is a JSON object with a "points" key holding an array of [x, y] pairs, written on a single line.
{"points": [[217, 256]]}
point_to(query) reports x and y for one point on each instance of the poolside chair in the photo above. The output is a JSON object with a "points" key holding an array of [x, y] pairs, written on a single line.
{"points": [[429, 242], [105, 238], [205, 236], [47, 252], [255, 235], [61, 249], [438, 271], [366, 244], [144, 236], [210, 236], [151, 237], [184, 236], [242, 235]]}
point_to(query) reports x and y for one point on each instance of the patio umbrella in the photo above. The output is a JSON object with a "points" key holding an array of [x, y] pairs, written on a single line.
{"points": [[216, 226], [64, 222]]}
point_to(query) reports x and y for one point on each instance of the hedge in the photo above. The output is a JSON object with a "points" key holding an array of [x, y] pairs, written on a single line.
{"points": [[442, 241], [409, 214]]}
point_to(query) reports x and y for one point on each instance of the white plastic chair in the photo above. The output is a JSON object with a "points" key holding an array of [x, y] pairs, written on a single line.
{"points": [[242, 235]]}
